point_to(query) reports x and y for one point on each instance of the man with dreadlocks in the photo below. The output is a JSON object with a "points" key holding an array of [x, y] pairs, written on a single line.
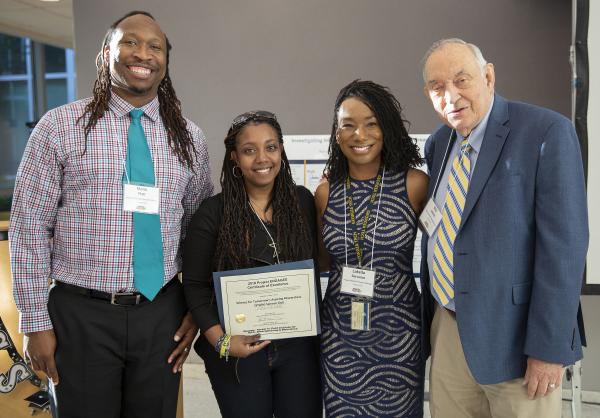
{"points": [[105, 188]]}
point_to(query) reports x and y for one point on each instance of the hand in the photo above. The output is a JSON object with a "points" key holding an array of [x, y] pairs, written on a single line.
{"points": [[242, 345], [39, 348], [541, 378], [185, 335]]}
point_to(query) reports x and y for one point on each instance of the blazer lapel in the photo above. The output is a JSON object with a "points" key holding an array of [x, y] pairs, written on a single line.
{"points": [[493, 141], [438, 159]]}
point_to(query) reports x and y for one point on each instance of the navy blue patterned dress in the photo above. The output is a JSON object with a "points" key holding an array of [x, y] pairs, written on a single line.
{"points": [[377, 373]]}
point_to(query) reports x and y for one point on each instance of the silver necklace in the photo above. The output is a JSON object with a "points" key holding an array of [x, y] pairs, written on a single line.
{"points": [[272, 244]]}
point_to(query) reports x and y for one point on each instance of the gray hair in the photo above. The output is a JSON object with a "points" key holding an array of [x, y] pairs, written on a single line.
{"points": [[442, 42]]}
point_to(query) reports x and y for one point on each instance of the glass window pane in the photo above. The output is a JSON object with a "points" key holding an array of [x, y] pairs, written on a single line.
{"points": [[55, 59], [14, 112], [56, 92], [13, 55], [16, 102]]}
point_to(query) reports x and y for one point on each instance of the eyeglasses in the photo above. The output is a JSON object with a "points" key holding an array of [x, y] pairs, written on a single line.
{"points": [[253, 115]]}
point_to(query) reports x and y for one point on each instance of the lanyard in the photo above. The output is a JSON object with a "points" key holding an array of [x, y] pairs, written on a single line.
{"points": [[349, 206]]}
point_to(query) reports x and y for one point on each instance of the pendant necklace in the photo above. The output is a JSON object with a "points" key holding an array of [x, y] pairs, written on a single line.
{"points": [[272, 244]]}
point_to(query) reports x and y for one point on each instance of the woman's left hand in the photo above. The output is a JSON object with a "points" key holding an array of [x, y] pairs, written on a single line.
{"points": [[243, 346]]}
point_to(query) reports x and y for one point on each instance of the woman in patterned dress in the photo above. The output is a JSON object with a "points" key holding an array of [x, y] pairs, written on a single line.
{"points": [[372, 363]]}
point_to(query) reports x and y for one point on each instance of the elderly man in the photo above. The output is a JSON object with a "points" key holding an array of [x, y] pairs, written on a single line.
{"points": [[505, 246], [105, 188]]}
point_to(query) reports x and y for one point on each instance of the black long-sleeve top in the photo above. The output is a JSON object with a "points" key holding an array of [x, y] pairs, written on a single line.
{"points": [[200, 245]]}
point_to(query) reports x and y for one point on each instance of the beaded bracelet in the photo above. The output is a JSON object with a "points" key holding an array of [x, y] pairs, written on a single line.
{"points": [[224, 351], [219, 343]]}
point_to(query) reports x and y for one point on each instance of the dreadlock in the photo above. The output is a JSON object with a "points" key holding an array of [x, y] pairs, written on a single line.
{"points": [[180, 139], [237, 227], [399, 151]]}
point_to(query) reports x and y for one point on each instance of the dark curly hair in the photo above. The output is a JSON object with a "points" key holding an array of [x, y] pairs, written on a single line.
{"points": [[237, 227], [180, 139], [399, 152]]}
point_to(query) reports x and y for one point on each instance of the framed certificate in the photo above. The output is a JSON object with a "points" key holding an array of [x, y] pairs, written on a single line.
{"points": [[276, 301]]}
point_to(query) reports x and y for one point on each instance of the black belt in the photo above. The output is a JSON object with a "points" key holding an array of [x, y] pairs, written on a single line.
{"points": [[117, 298]]}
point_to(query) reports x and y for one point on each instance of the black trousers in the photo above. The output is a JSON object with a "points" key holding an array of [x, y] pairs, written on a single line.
{"points": [[112, 360], [281, 380]]}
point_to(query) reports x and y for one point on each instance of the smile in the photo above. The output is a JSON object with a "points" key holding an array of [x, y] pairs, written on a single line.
{"points": [[363, 149], [265, 170], [140, 71]]}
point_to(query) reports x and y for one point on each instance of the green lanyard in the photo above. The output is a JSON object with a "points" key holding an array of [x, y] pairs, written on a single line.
{"points": [[356, 237]]}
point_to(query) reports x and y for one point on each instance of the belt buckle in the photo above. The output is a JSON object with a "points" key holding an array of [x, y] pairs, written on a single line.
{"points": [[115, 295]]}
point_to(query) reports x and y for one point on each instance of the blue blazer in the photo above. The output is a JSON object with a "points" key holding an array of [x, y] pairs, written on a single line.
{"points": [[519, 254]]}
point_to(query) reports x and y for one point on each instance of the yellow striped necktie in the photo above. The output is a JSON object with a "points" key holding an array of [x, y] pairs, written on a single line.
{"points": [[443, 252]]}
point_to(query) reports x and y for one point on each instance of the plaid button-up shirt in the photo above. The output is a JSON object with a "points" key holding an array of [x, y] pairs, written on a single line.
{"points": [[67, 220]]}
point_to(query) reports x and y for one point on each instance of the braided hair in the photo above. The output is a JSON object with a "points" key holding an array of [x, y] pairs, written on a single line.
{"points": [[399, 152], [180, 139], [236, 231]]}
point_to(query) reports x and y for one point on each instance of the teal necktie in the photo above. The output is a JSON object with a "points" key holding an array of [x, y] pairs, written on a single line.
{"points": [[148, 260]]}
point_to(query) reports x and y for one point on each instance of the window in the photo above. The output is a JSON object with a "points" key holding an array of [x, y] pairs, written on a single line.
{"points": [[20, 98]]}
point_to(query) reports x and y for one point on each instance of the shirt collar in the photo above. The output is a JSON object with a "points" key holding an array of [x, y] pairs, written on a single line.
{"points": [[477, 134], [121, 107]]}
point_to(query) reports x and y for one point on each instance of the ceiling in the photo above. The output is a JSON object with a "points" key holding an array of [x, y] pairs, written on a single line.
{"points": [[50, 22]]}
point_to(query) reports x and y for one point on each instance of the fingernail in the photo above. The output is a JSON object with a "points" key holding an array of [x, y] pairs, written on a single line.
{"points": [[176, 338]]}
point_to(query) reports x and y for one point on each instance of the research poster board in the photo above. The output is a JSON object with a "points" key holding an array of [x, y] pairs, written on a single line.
{"points": [[307, 155]]}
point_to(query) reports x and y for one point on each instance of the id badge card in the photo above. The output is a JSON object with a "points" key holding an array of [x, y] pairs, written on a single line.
{"points": [[358, 281], [430, 217], [141, 199], [361, 315]]}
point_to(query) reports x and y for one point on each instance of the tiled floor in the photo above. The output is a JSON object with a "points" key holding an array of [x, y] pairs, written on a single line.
{"points": [[199, 401]]}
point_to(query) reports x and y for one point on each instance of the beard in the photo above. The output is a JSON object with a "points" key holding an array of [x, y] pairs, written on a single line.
{"points": [[120, 81]]}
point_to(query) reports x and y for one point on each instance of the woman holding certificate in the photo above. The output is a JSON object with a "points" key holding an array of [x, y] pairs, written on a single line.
{"points": [[259, 220], [368, 209]]}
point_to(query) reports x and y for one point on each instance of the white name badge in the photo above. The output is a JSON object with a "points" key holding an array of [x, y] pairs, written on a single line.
{"points": [[358, 281], [141, 199], [430, 217]]}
